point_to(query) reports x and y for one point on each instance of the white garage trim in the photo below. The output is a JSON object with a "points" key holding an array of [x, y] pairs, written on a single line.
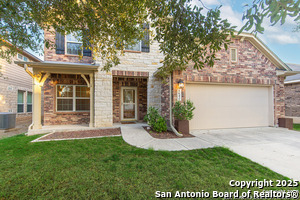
{"points": [[230, 105]]}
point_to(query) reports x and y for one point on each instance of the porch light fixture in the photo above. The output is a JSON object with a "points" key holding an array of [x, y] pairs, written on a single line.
{"points": [[180, 83]]}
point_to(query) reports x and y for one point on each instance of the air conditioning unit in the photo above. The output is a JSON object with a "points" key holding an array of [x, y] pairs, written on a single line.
{"points": [[7, 120]]}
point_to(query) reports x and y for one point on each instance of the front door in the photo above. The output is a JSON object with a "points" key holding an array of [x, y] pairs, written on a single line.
{"points": [[128, 103]]}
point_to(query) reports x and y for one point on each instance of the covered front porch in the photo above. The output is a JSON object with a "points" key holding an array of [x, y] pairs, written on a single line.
{"points": [[63, 95], [130, 96]]}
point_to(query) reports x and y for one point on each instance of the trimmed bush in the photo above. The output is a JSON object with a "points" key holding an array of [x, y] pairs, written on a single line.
{"points": [[183, 111], [155, 120]]}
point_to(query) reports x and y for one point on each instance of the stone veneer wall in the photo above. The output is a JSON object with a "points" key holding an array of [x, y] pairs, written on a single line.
{"points": [[51, 116], [50, 54], [252, 68], [130, 62], [292, 99], [141, 84]]}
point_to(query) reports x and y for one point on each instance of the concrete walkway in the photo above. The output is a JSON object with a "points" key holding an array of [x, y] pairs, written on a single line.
{"points": [[134, 134], [275, 148]]}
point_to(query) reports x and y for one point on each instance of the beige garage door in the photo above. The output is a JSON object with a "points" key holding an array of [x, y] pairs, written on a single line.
{"points": [[230, 106]]}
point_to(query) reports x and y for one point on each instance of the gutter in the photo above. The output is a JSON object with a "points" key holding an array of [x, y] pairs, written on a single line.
{"points": [[171, 99], [292, 81], [286, 73]]}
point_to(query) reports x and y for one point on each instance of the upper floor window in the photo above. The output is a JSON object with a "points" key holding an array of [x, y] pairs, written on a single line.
{"points": [[73, 44], [135, 47], [233, 55], [21, 57], [142, 45]]}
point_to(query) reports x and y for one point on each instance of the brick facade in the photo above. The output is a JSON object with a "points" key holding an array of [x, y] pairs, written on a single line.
{"points": [[51, 116], [141, 85], [50, 54], [292, 99], [138, 68], [252, 68]]}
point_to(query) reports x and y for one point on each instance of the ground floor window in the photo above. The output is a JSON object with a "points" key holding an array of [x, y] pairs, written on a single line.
{"points": [[72, 98], [29, 101], [20, 107]]}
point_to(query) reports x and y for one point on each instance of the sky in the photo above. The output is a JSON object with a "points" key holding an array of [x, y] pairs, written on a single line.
{"points": [[279, 38]]}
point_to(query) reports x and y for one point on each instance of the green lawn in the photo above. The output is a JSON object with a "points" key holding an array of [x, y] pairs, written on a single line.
{"points": [[297, 127], [108, 168]]}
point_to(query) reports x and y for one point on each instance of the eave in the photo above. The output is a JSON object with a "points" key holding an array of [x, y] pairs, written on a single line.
{"points": [[60, 67]]}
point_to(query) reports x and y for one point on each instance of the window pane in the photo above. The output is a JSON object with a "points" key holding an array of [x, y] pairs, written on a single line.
{"points": [[73, 38], [136, 47], [82, 91], [233, 55], [82, 104], [20, 97], [29, 97], [29, 108], [64, 105], [74, 48], [64, 91], [20, 108], [128, 96], [20, 56]]}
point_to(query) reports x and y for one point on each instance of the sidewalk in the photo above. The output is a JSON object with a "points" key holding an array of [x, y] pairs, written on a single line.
{"points": [[134, 134]]}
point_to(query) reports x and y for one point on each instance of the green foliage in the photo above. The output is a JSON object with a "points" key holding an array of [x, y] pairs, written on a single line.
{"points": [[275, 10], [183, 111], [155, 120], [184, 33]]}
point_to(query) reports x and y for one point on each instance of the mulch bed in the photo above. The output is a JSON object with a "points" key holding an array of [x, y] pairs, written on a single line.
{"points": [[83, 134], [164, 135]]}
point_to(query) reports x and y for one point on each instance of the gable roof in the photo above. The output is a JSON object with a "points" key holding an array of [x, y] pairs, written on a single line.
{"points": [[24, 52], [263, 48], [294, 78]]}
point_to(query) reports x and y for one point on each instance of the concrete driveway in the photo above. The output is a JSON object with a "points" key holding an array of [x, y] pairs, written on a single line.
{"points": [[275, 148]]}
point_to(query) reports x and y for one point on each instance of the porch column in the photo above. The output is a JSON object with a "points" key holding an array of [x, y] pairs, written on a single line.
{"points": [[37, 108], [92, 107]]}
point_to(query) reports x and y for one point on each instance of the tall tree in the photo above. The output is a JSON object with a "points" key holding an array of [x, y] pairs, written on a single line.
{"points": [[275, 10], [184, 33]]}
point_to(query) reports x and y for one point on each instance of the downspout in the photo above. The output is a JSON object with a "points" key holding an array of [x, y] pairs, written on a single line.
{"points": [[30, 74], [171, 100]]}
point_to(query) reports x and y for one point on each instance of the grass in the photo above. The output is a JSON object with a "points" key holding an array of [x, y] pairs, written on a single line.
{"points": [[297, 127], [108, 168]]}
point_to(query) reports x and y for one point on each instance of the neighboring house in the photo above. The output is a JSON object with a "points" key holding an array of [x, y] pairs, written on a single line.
{"points": [[244, 89], [292, 94], [16, 85]]}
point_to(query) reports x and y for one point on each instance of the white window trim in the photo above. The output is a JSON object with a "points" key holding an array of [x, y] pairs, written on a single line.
{"points": [[74, 98], [21, 103], [66, 46], [236, 55], [22, 57], [27, 101]]}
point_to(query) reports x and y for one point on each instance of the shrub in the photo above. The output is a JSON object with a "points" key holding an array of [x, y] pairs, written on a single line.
{"points": [[155, 120], [183, 111]]}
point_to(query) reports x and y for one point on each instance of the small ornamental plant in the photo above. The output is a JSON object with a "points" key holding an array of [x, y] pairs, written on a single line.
{"points": [[155, 120], [183, 111]]}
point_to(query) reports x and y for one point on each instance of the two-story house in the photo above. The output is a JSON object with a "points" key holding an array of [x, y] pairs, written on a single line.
{"points": [[16, 85], [243, 89]]}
